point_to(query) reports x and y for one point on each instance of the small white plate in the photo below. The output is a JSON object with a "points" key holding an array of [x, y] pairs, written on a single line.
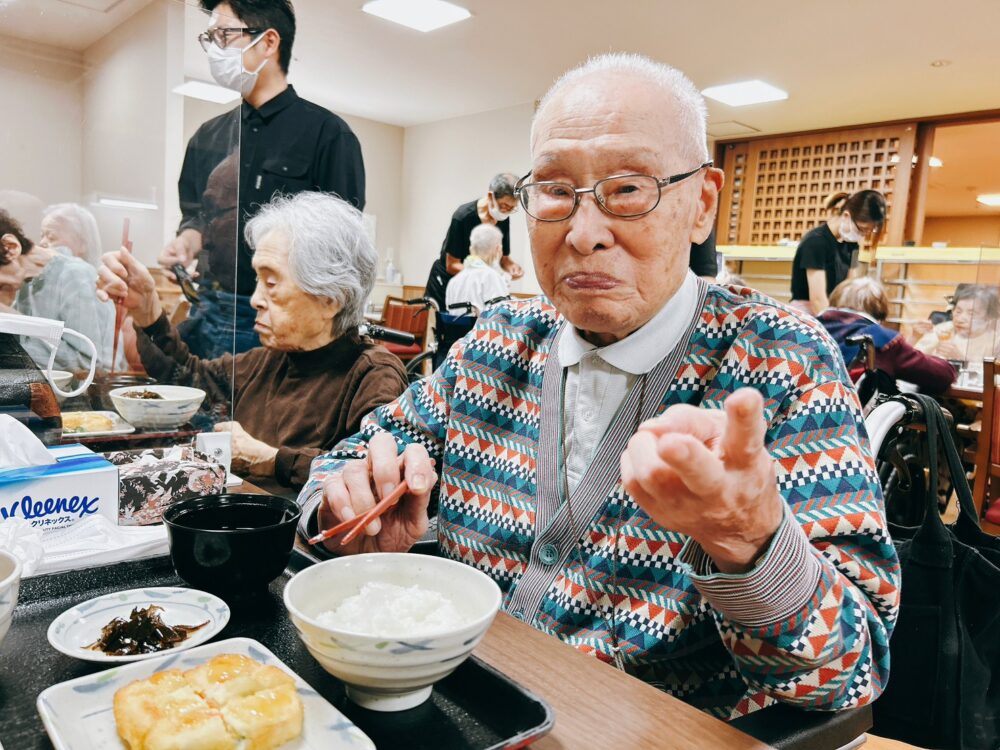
{"points": [[118, 426], [78, 714], [79, 626]]}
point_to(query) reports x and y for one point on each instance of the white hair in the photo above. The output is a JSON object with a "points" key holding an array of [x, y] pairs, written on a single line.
{"points": [[690, 105], [484, 240], [329, 251], [81, 224]]}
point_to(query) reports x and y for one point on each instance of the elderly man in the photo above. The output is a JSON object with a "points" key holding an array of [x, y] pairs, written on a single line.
{"points": [[668, 475], [314, 378], [479, 280]]}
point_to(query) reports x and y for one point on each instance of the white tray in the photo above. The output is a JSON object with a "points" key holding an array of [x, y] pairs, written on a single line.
{"points": [[118, 426], [78, 714]]}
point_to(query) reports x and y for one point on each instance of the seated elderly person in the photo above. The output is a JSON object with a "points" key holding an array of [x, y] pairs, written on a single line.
{"points": [[668, 475], [314, 378], [859, 307], [57, 285], [480, 278], [972, 333], [73, 227]]}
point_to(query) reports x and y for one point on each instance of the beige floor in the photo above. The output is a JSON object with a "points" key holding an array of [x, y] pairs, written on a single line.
{"points": [[881, 743]]}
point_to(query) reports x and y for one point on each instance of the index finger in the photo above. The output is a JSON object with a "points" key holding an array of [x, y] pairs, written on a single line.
{"points": [[383, 463], [743, 438]]}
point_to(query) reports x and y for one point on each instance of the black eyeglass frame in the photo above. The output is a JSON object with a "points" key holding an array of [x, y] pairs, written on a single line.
{"points": [[578, 193], [207, 37]]}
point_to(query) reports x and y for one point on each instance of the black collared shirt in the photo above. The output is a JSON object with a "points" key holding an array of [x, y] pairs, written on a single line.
{"points": [[287, 146]]}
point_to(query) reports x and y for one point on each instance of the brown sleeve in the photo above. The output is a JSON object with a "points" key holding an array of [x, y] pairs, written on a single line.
{"points": [[382, 379], [167, 358]]}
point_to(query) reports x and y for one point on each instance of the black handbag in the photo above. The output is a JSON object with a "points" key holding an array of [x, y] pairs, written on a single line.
{"points": [[944, 673]]}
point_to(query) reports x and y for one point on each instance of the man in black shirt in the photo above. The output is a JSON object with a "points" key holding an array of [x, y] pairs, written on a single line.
{"points": [[495, 208], [285, 145]]}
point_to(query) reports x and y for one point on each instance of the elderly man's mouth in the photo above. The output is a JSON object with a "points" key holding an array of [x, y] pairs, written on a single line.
{"points": [[583, 281]]}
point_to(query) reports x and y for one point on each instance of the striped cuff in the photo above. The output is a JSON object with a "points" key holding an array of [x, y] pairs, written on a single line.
{"points": [[775, 589]]}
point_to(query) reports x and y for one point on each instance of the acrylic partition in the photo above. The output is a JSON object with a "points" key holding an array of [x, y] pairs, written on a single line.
{"points": [[97, 122]]}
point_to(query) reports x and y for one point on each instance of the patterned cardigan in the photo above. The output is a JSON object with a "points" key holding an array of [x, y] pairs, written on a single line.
{"points": [[808, 625]]}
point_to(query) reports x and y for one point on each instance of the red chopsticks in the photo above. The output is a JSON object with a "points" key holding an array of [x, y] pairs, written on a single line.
{"points": [[119, 304], [355, 526]]}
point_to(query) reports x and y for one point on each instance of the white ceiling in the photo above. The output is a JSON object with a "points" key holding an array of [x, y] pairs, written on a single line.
{"points": [[854, 61], [970, 156]]}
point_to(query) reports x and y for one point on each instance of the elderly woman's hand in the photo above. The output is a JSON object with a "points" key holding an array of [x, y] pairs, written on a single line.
{"points": [[949, 350], [350, 493], [707, 474], [250, 455], [124, 279]]}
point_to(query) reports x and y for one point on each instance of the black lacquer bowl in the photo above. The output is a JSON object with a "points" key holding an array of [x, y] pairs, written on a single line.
{"points": [[231, 545]]}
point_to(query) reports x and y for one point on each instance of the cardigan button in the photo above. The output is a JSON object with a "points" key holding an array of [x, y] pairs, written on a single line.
{"points": [[548, 554]]}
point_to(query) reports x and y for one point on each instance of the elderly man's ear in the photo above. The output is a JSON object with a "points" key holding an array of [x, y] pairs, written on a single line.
{"points": [[708, 204], [330, 307], [10, 246]]}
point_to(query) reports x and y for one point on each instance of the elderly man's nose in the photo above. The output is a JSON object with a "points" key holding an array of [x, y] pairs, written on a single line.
{"points": [[590, 227]]}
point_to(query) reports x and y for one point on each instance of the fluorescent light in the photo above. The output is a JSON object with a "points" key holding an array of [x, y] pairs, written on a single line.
{"points": [[745, 92], [122, 203], [209, 92], [422, 15], [989, 199], [935, 162]]}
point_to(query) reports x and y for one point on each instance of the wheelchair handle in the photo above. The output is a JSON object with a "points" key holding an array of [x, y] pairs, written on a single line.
{"points": [[389, 335]]}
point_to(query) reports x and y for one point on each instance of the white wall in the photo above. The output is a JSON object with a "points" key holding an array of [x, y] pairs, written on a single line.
{"points": [[451, 162], [40, 132], [127, 109]]}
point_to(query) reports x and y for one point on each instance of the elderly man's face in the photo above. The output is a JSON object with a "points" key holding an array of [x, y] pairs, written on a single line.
{"points": [[606, 274], [288, 319]]}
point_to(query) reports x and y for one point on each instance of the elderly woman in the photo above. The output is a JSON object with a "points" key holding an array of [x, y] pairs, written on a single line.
{"points": [[971, 335], [314, 378], [71, 226], [670, 476], [54, 284], [859, 307], [480, 279]]}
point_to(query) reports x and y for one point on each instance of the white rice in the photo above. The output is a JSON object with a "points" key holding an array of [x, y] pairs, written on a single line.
{"points": [[385, 610]]}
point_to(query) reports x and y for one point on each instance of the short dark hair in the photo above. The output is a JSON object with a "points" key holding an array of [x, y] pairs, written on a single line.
{"points": [[10, 225], [502, 185], [867, 206], [265, 14]]}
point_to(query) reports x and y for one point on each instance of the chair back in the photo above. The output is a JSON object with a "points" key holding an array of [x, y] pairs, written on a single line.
{"points": [[410, 318]]}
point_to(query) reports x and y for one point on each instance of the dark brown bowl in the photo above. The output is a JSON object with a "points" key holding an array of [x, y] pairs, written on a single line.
{"points": [[231, 545]]}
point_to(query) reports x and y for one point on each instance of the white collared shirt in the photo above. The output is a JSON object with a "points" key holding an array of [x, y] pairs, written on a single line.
{"points": [[599, 379]]}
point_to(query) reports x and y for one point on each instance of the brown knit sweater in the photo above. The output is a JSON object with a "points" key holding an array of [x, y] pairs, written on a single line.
{"points": [[303, 403]]}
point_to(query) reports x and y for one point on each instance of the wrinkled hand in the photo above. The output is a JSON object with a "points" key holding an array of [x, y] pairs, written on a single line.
{"points": [[250, 455], [922, 328], [707, 474], [514, 269], [124, 279], [183, 249], [350, 493]]}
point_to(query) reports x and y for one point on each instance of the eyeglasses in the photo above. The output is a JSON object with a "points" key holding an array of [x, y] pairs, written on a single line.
{"points": [[223, 37], [626, 196]]}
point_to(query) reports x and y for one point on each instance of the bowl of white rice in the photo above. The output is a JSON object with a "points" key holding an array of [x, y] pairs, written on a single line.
{"points": [[391, 625]]}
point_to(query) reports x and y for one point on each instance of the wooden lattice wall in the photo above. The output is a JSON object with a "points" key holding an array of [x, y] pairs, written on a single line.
{"points": [[775, 186]]}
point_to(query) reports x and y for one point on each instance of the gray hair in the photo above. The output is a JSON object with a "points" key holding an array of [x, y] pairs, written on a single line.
{"points": [[678, 88], [502, 185], [985, 299], [329, 251], [81, 223], [483, 239]]}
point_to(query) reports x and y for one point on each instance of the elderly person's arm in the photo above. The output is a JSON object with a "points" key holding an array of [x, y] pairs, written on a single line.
{"points": [[414, 425], [788, 539], [164, 355]]}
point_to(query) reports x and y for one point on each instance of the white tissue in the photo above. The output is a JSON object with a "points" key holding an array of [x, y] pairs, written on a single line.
{"points": [[24, 541], [96, 540], [19, 446]]}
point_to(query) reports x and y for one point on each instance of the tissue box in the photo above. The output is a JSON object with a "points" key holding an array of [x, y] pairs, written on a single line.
{"points": [[152, 480], [80, 484]]}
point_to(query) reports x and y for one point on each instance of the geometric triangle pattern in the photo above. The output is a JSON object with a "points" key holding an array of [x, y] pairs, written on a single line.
{"points": [[479, 416]]}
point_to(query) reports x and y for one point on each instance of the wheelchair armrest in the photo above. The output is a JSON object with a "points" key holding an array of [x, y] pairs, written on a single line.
{"points": [[788, 728]]}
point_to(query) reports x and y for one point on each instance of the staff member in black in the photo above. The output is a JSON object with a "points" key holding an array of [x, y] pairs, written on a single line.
{"points": [[285, 145], [495, 208]]}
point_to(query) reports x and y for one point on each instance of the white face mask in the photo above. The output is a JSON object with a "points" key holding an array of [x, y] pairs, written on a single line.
{"points": [[497, 214], [849, 232], [227, 67], [50, 331]]}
